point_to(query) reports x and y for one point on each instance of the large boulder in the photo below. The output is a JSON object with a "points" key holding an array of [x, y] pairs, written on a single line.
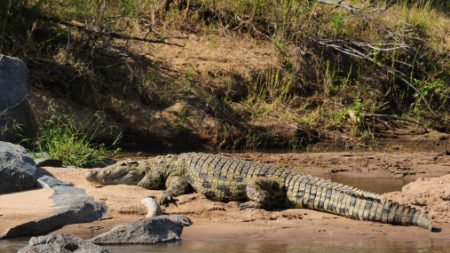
{"points": [[18, 172], [16, 116], [146, 231], [61, 243]]}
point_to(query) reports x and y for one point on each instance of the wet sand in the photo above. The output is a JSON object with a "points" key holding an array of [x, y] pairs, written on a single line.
{"points": [[225, 221]]}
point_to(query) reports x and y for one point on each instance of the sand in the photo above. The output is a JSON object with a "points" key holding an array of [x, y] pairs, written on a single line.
{"points": [[17, 208]]}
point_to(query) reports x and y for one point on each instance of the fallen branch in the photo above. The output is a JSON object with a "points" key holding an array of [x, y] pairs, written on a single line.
{"points": [[393, 117], [348, 48], [5, 111], [116, 35], [340, 4]]}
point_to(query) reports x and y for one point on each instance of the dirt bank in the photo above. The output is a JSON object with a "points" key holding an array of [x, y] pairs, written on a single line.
{"points": [[224, 221]]}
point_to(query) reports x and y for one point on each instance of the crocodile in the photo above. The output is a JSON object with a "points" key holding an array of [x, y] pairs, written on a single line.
{"points": [[255, 185]]}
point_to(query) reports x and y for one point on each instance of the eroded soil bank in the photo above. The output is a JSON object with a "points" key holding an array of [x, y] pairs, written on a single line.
{"points": [[217, 221]]}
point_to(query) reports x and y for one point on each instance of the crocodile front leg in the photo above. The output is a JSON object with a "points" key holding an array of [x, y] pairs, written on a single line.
{"points": [[265, 193], [175, 186]]}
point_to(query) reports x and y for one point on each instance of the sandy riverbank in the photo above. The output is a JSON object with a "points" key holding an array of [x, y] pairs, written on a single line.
{"points": [[224, 221]]}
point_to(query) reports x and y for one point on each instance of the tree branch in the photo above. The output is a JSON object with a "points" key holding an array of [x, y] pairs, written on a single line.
{"points": [[116, 35], [344, 46], [340, 3]]}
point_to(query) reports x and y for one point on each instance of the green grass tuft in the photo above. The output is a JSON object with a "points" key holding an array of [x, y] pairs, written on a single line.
{"points": [[62, 137]]}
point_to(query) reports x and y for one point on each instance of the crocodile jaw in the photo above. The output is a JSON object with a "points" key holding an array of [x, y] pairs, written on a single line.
{"points": [[122, 173]]}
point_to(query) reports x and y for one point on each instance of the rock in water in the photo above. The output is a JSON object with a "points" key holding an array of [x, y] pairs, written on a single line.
{"points": [[146, 231], [61, 243], [16, 116], [18, 171]]}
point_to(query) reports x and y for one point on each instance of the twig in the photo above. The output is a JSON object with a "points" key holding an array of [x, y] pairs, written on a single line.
{"points": [[340, 3], [394, 117], [161, 40], [342, 46], [5, 111]]}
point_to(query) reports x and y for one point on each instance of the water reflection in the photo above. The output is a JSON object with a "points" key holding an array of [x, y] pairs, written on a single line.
{"points": [[376, 185], [210, 246], [271, 247]]}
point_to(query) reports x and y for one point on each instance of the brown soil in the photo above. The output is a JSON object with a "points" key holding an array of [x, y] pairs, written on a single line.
{"points": [[393, 164], [223, 221], [428, 194]]}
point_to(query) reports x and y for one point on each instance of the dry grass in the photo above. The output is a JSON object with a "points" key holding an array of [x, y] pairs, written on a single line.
{"points": [[237, 61]]}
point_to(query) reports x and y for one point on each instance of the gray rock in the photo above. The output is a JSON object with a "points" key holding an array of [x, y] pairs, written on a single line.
{"points": [[18, 172], [13, 179], [61, 243], [72, 205], [16, 155], [146, 231], [16, 115]]}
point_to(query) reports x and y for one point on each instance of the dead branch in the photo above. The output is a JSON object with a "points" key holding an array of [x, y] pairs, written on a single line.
{"points": [[350, 48], [340, 4], [116, 35], [392, 117], [5, 111]]}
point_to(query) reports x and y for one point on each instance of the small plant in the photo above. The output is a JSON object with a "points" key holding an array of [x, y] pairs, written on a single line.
{"points": [[62, 137], [338, 22]]}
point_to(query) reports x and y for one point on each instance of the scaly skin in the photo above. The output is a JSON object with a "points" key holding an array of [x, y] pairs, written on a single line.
{"points": [[222, 178]]}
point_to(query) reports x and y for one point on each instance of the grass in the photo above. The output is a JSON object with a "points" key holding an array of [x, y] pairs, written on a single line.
{"points": [[311, 85], [62, 137]]}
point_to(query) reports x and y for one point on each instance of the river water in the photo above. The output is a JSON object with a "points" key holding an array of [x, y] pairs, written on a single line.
{"points": [[209, 246]]}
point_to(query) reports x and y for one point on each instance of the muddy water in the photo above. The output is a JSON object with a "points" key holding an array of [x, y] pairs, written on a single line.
{"points": [[272, 247], [208, 246], [376, 185]]}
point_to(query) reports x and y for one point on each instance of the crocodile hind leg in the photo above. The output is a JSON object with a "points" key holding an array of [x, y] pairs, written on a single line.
{"points": [[264, 193], [175, 186]]}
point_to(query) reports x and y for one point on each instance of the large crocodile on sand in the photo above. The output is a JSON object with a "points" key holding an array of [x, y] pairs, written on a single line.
{"points": [[223, 178]]}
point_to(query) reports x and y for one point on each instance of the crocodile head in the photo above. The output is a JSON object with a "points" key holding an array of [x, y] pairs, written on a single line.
{"points": [[126, 172], [148, 173]]}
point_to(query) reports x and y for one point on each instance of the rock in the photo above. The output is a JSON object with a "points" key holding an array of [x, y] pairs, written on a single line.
{"points": [[72, 205], [14, 180], [152, 207], [18, 172], [61, 243], [16, 115], [146, 231]]}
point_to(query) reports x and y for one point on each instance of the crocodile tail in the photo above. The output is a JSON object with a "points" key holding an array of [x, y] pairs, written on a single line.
{"points": [[324, 195], [398, 214]]}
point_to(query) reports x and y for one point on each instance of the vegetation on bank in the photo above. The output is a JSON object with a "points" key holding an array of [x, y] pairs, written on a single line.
{"points": [[345, 71], [64, 137]]}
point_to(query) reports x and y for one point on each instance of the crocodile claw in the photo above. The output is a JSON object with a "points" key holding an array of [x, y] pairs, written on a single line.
{"points": [[167, 199], [250, 204]]}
